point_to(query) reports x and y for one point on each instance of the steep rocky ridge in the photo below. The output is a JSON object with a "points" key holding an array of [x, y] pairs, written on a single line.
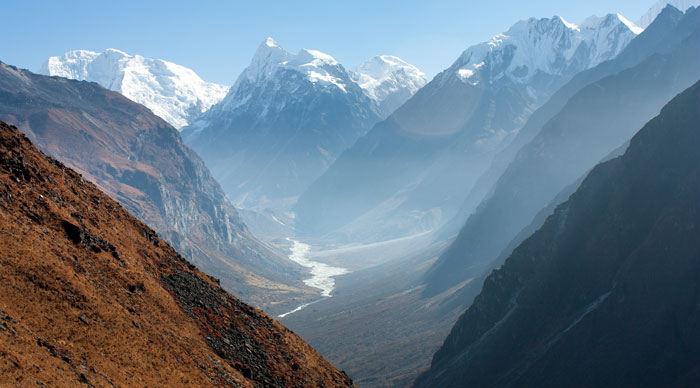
{"points": [[658, 7], [90, 296]]}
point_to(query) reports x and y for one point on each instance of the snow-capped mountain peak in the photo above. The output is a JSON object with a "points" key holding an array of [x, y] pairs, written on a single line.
{"points": [[656, 9], [268, 54], [269, 42], [173, 92], [319, 68], [545, 46], [388, 80]]}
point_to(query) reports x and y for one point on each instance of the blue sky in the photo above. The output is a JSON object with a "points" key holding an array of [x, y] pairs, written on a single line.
{"points": [[217, 38]]}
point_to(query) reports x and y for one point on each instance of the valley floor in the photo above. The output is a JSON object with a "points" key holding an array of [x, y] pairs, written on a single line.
{"points": [[377, 326]]}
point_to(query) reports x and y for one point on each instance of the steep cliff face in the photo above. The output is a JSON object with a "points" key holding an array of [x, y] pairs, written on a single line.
{"points": [[90, 295], [140, 160], [605, 293]]}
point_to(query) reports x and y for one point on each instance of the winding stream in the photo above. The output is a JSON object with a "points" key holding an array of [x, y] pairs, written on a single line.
{"points": [[321, 274]]}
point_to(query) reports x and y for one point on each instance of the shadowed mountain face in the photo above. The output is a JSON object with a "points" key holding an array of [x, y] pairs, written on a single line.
{"points": [[90, 295], [140, 160], [606, 292], [593, 122]]}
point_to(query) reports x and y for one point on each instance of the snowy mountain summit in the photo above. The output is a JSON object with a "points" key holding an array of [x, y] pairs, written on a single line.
{"points": [[271, 63], [534, 48], [386, 80], [389, 81], [173, 92]]}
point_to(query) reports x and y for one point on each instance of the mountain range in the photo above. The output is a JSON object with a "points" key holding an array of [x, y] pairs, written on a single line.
{"points": [[408, 309], [422, 161], [595, 120], [506, 224]]}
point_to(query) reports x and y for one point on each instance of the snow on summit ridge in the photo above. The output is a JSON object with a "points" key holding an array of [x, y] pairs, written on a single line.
{"points": [[389, 81], [550, 46], [173, 92], [319, 68]]}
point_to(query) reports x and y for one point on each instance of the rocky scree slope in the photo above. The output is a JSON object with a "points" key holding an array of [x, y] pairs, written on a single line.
{"points": [[91, 296]]}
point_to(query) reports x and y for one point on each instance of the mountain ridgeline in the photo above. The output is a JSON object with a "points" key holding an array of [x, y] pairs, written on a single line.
{"points": [[605, 293], [422, 160], [594, 121], [90, 296], [664, 35], [140, 160]]}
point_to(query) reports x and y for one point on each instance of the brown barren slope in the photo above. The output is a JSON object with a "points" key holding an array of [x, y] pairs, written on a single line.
{"points": [[90, 296], [139, 160]]}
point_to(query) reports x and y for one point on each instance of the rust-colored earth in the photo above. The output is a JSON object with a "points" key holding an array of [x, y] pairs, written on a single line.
{"points": [[90, 296]]}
